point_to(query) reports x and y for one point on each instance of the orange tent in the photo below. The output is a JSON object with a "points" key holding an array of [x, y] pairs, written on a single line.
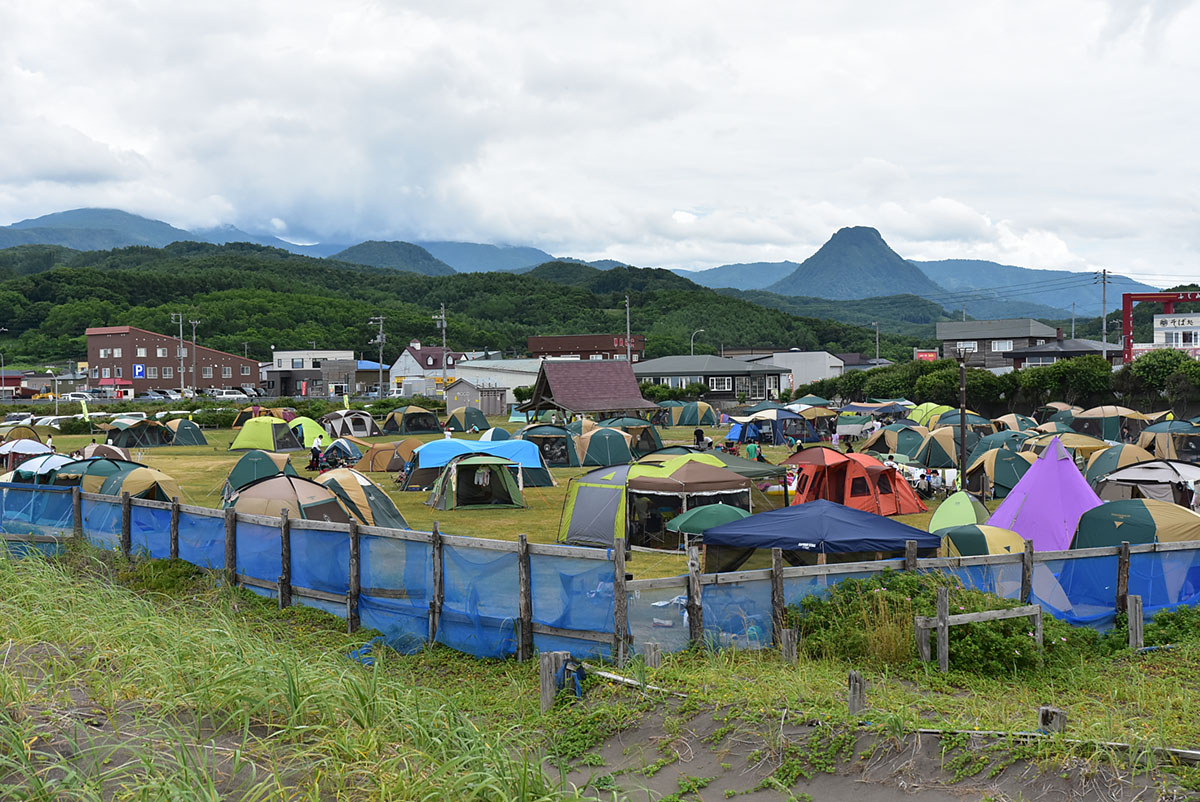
{"points": [[856, 480]]}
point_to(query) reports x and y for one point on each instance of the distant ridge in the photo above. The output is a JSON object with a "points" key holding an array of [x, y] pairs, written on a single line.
{"points": [[855, 263], [742, 276], [396, 255], [474, 257]]}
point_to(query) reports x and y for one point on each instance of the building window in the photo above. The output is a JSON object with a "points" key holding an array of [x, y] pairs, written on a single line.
{"points": [[117, 372], [772, 382], [1041, 360], [105, 373], [967, 345], [116, 353], [95, 373], [316, 363], [151, 372], [1189, 338], [429, 361], [168, 373], [720, 384], [105, 353], [181, 351], [206, 373], [1001, 345], [160, 352], [140, 351], [449, 360], [595, 357], [226, 372], [245, 370], [297, 364]]}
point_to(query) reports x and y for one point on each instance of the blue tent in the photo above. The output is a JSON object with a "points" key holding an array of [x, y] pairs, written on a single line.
{"points": [[818, 527], [429, 459]]}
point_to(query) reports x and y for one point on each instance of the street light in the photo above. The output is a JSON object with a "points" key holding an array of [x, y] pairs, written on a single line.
{"points": [[961, 354], [694, 333], [876, 325]]}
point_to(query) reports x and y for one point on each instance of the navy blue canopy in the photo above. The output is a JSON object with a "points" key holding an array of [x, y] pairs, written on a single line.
{"points": [[819, 526]]}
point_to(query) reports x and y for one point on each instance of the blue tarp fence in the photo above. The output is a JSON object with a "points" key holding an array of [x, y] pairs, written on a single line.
{"points": [[571, 589]]}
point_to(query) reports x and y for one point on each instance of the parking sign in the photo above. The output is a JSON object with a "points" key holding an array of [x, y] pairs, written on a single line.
{"points": [[139, 371]]}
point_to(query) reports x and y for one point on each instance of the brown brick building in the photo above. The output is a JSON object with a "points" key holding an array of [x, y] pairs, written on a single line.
{"points": [[124, 359], [588, 346]]}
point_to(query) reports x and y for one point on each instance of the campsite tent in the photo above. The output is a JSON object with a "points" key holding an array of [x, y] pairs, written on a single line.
{"points": [[186, 433], [778, 425], [1048, 411], [696, 520], [809, 530], [896, 438], [1102, 463], [921, 413], [477, 481], [1007, 439], [1081, 445], [556, 443], [977, 540], [1046, 504], [307, 430], [465, 419], [343, 449], [137, 433], [994, 474], [252, 411], [19, 433], [1013, 422], [430, 458], [389, 457], [105, 450], [856, 480], [762, 406], [495, 433], [362, 498], [977, 424], [411, 420], [141, 482], [1137, 521], [1053, 427], [38, 470], [89, 474], [603, 446], [302, 498], [266, 434], [959, 509], [811, 400], [749, 468], [255, 465], [693, 413], [350, 423], [14, 452], [939, 449], [644, 436], [1180, 442], [1107, 422], [1161, 479]]}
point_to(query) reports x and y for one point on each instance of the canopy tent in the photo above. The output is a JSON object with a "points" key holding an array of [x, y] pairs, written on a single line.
{"points": [[265, 434], [1082, 445], [38, 470], [698, 519], [186, 433], [556, 443], [430, 458], [252, 411], [390, 457], [974, 422], [1046, 504], [255, 465], [141, 482], [749, 468], [904, 402], [1054, 427], [993, 474], [1012, 422], [307, 430], [1179, 443], [1160, 479], [89, 474], [939, 449], [466, 419], [1007, 439], [921, 413], [105, 450], [804, 532], [780, 424], [604, 446], [350, 423], [14, 452], [411, 420], [495, 433], [343, 448], [1137, 520], [1108, 422], [959, 509], [884, 408], [363, 499], [856, 480], [812, 401], [645, 437], [896, 438], [977, 540], [762, 406], [19, 433], [302, 498], [137, 433], [1102, 463], [477, 481]]}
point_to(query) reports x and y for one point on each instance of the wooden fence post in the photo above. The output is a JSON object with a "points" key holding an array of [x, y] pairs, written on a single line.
{"points": [[1136, 622], [285, 560], [695, 606], [525, 603], [943, 628], [231, 546], [126, 526], [857, 693], [910, 555], [548, 668], [652, 654], [620, 646], [1027, 572], [173, 548], [355, 584], [778, 605], [1122, 576], [439, 591], [1051, 719], [77, 512], [788, 642]]}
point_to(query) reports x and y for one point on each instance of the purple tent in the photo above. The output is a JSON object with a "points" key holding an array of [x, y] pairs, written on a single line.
{"points": [[1045, 505]]}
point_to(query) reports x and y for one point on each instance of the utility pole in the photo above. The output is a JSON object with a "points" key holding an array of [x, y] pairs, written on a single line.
{"points": [[1102, 278], [194, 323], [246, 349], [1072, 320], [628, 335], [441, 322], [381, 338], [177, 317], [876, 325]]}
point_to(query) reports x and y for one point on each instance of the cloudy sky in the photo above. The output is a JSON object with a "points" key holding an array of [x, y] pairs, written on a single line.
{"points": [[675, 134]]}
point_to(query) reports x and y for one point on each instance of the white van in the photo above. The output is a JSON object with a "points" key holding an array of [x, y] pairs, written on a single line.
{"points": [[228, 395]]}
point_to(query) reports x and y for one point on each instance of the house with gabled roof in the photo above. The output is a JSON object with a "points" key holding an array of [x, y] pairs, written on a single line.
{"points": [[595, 387], [423, 362]]}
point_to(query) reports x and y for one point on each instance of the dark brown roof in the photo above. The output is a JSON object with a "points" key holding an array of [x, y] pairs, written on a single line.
{"points": [[588, 385]]}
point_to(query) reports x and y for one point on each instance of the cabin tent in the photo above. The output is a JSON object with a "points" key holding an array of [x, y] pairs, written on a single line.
{"points": [[141, 482], [1106, 422], [265, 434], [350, 423], [1179, 442], [896, 438], [1012, 422], [477, 481], [411, 420], [978, 540], [959, 509], [307, 431], [1160, 479], [186, 433], [1046, 503], [363, 499], [137, 433], [1137, 520], [430, 458], [255, 465], [556, 443], [390, 457], [465, 419], [807, 531], [779, 424], [856, 480], [994, 474], [604, 446], [1102, 463], [494, 434], [302, 498], [645, 437]]}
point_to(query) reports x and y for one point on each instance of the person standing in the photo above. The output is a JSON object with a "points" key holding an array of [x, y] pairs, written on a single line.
{"points": [[752, 450], [698, 437]]}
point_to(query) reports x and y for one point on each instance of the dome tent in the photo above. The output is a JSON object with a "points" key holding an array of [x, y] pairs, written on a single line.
{"points": [[477, 481], [302, 498], [411, 420], [464, 419], [1136, 520], [363, 499], [495, 434], [993, 474], [959, 509], [141, 482], [266, 434], [306, 430], [186, 433], [896, 438], [350, 423], [556, 443], [1102, 463], [137, 433], [390, 457], [255, 465], [604, 446], [89, 474], [976, 540], [645, 437]]}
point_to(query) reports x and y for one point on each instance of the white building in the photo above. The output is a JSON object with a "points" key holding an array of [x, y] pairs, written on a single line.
{"points": [[507, 373], [1179, 331], [424, 362], [805, 367]]}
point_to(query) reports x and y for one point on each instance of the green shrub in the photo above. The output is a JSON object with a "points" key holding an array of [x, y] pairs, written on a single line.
{"points": [[74, 426]]}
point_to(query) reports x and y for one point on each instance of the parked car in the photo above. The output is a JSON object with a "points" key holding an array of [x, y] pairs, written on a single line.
{"points": [[228, 395], [167, 393], [78, 395], [18, 418], [151, 395]]}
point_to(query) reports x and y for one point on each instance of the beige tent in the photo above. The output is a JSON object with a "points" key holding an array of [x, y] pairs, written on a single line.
{"points": [[302, 498], [389, 457]]}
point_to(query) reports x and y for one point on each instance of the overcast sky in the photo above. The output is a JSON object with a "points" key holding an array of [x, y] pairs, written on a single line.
{"points": [[678, 134]]}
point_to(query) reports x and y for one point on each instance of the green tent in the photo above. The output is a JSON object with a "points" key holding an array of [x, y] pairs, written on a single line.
{"points": [[266, 434], [464, 419], [812, 401], [645, 437], [307, 430], [1136, 520], [477, 481], [762, 406], [556, 443], [186, 432], [697, 519], [255, 465], [1102, 463], [138, 434], [996, 472], [90, 474], [1008, 439], [960, 509], [412, 420], [604, 446], [362, 498], [695, 413], [939, 449], [977, 540]]}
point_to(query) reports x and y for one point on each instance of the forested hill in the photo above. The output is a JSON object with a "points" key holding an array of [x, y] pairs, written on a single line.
{"points": [[268, 297]]}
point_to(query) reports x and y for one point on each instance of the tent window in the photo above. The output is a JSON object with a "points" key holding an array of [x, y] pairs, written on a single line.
{"points": [[884, 484], [858, 486], [802, 483]]}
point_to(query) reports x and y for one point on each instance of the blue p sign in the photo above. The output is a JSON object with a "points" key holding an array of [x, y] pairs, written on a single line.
{"points": [[139, 371]]}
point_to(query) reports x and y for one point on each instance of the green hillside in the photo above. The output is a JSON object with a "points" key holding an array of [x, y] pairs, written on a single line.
{"points": [[397, 256], [268, 297], [901, 314]]}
